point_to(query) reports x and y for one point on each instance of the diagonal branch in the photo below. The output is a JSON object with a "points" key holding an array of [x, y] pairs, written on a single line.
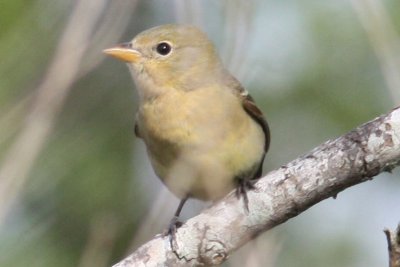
{"points": [[210, 237]]}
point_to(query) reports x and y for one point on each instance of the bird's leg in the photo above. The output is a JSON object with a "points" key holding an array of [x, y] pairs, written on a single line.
{"points": [[175, 224], [243, 186]]}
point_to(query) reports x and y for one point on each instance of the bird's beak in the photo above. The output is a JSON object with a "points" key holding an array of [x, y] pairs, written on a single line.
{"points": [[124, 52]]}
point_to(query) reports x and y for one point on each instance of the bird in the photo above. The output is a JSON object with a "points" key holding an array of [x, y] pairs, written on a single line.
{"points": [[203, 132]]}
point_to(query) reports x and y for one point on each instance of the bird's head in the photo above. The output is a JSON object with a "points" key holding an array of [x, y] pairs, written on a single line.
{"points": [[170, 56]]}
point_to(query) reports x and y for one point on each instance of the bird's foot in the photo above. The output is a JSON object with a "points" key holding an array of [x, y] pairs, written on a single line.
{"points": [[241, 190], [171, 232]]}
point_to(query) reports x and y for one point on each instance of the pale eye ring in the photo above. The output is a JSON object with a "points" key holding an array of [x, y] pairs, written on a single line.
{"points": [[163, 48]]}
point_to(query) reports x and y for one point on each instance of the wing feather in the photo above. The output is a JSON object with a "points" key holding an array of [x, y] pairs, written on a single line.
{"points": [[254, 112]]}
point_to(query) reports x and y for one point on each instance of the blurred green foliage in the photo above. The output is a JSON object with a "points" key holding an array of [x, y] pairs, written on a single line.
{"points": [[86, 173]]}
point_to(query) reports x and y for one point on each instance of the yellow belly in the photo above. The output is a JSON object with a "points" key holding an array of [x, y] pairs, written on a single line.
{"points": [[198, 146]]}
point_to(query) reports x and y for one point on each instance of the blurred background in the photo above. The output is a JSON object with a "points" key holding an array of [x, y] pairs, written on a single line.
{"points": [[76, 188]]}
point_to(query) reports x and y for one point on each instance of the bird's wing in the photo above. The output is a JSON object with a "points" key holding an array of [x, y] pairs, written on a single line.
{"points": [[251, 108], [254, 112]]}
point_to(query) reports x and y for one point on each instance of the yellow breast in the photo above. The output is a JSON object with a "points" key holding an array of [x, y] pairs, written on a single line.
{"points": [[198, 141]]}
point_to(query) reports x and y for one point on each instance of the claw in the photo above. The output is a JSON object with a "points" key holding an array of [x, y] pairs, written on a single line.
{"points": [[241, 190], [171, 232], [173, 226]]}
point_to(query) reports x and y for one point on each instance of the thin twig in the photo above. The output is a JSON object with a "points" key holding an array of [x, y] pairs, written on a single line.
{"points": [[384, 40], [51, 94], [393, 239]]}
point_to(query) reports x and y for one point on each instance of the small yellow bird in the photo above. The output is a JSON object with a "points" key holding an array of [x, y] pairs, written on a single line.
{"points": [[203, 132]]}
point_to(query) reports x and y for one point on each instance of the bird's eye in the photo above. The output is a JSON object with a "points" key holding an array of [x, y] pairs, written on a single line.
{"points": [[163, 48]]}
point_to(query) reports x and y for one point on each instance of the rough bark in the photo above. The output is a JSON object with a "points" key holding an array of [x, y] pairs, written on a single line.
{"points": [[209, 238]]}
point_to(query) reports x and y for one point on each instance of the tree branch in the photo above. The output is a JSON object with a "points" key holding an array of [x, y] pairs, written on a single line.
{"points": [[210, 237]]}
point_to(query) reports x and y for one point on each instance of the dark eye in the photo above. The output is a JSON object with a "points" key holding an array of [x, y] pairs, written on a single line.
{"points": [[163, 48]]}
